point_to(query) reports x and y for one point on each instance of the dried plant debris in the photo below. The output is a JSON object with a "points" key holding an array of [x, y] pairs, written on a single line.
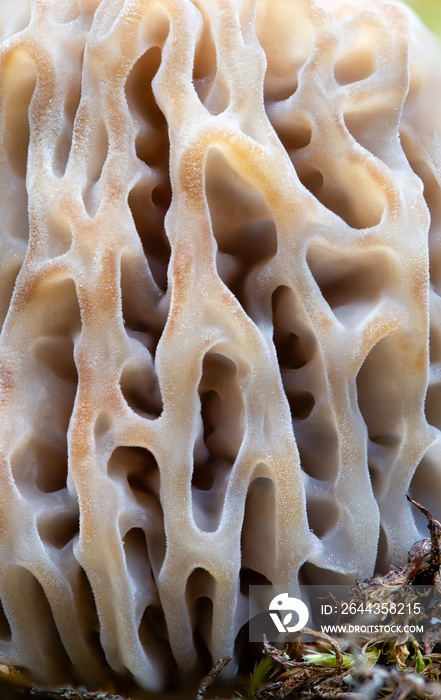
{"points": [[14, 686], [212, 675], [398, 666], [71, 694]]}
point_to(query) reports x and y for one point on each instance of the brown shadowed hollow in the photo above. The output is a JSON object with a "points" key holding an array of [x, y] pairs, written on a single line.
{"points": [[220, 259]]}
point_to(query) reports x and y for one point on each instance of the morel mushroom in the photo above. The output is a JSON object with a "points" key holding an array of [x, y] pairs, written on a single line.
{"points": [[216, 224]]}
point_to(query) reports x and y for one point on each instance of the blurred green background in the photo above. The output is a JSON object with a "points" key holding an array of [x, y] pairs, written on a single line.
{"points": [[429, 11]]}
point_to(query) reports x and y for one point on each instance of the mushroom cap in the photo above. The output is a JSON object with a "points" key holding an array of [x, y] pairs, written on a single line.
{"points": [[219, 359]]}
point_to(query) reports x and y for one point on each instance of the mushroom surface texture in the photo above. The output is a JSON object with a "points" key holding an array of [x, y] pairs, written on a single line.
{"points": [[220, 277]]}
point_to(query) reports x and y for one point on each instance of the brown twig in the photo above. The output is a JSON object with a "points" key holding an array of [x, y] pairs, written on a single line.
{"points": [[212, 675], [280, 656], [435, 531]]}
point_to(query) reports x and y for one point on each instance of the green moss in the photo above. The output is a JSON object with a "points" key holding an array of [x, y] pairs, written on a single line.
{"points": [[259, 676]]}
